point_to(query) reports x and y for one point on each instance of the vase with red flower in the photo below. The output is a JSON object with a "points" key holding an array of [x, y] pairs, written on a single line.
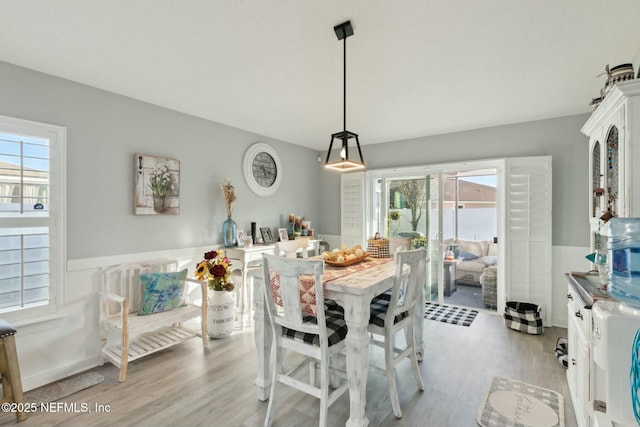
{"points": [[220, 314], [216, 270]]}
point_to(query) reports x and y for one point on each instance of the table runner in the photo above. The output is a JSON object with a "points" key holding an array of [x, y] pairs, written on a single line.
{"points": [[332, 272]]}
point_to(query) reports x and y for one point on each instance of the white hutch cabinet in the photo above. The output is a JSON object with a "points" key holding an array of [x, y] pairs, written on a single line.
{"points": [[614, 166], [614, 156]]}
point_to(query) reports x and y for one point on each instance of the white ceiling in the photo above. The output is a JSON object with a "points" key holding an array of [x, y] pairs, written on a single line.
{"points": [[414, 67]]}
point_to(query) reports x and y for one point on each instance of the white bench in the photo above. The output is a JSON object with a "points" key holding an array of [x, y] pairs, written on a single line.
{"points": [[125, 336]]}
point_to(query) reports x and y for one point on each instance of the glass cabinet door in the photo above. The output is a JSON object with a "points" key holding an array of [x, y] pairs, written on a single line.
{"points": [[597, 190], [612, 175]]}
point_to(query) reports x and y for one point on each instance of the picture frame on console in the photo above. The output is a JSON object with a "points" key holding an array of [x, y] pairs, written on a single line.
{"points": [[266, 235], [241, 236], [283, 234]]}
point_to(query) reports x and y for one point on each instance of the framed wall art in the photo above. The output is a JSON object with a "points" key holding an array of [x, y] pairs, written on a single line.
{"points": [[157, 185]]}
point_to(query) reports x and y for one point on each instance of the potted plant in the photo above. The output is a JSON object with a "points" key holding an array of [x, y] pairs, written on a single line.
{"points": [[215, 268], [394, 222], [161, 183]]}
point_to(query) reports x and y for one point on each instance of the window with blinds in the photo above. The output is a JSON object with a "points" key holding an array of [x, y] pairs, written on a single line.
{"points": [[27, 263]]}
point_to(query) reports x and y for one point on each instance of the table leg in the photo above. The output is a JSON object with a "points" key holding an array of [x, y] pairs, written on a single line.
{"points": [[249, 303], [239, 293], [244, 300], [263, 335], [356, 311]]}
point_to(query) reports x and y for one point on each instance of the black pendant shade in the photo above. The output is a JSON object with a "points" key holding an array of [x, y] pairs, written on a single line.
{"points": [[343, 31]]}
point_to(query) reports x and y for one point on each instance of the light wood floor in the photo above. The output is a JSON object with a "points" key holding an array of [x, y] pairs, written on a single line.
{"points": [[185, 386]]}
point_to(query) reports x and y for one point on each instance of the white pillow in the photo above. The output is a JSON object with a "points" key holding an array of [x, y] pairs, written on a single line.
{"points": [[488, 260]]}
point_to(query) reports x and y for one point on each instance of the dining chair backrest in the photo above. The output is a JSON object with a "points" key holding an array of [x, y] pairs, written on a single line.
{"points": [[400, 309], [291, 287], [409, 276], [290, 248], [286, 277]]}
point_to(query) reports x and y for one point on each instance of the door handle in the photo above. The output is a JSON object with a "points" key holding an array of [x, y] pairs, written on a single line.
{"points": [[569, 296], [579, 315]]}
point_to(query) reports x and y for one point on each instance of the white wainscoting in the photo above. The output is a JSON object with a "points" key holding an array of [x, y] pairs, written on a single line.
{"points": [[59, 346], [69, 343]]}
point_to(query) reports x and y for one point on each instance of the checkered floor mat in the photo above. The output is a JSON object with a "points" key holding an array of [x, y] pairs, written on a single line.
{"points": [[450, 314]]}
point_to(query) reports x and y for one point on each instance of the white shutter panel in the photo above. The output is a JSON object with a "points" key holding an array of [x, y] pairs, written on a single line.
{"points": [[352, 222], [528, 232]]}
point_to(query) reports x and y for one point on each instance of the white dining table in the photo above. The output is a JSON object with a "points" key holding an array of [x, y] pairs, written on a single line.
{"points": [[354, 293]]}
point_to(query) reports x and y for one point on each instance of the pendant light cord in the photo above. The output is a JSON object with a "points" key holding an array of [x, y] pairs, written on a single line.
{"points": [[344, 90]]}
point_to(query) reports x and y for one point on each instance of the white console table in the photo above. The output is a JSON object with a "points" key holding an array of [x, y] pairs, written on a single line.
{"points": [[242, 259]]}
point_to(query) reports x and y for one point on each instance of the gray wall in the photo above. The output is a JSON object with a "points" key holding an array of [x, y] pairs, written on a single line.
{"points": [[105, 130], [559, 138]]}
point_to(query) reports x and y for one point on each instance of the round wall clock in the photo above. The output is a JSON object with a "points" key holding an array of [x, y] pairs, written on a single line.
{"points": [[262, 169]]}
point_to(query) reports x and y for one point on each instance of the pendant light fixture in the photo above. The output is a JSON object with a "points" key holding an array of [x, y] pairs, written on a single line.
{"points": [[343, 31]]}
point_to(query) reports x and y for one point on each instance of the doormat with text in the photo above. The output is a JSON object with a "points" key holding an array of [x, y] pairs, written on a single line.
{"points": [[514, 403], [449, 314]]}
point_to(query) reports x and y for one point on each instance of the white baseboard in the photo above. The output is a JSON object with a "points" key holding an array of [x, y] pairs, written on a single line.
{"points": [[49, 376]]}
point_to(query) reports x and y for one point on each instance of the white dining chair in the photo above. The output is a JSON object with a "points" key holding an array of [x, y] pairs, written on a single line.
{"points": [[290, 248], [394, 311], [302, 324]]}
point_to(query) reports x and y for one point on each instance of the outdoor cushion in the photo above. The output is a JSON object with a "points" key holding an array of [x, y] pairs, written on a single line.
{"points": [[488, 260], [475, 266], [476, 247], [467, 255]]}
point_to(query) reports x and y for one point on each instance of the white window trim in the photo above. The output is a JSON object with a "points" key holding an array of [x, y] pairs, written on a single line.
{"points": [[57, 214]]}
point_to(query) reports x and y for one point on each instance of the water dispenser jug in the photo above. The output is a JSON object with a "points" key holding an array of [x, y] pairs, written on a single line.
{"points": [[623, 259]]}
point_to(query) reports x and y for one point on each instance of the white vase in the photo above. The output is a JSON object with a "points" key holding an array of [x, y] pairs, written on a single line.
{"points": [[220, 314]]}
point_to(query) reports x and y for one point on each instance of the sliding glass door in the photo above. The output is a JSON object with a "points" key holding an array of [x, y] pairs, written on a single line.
{"points": [[434, 208], [435, 286], [407, 209], [516, 222]]}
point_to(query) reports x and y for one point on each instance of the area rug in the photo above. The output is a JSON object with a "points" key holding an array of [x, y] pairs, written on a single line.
{"points": [[450, 314], [63, 388], [511, 403]]}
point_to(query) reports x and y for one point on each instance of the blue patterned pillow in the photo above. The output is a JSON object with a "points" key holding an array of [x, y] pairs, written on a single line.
{"points": [[162, 291], [468, 255]]}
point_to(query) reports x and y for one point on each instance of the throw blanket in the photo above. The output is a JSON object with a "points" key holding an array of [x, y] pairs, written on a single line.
{"points": [[307, 283]]}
